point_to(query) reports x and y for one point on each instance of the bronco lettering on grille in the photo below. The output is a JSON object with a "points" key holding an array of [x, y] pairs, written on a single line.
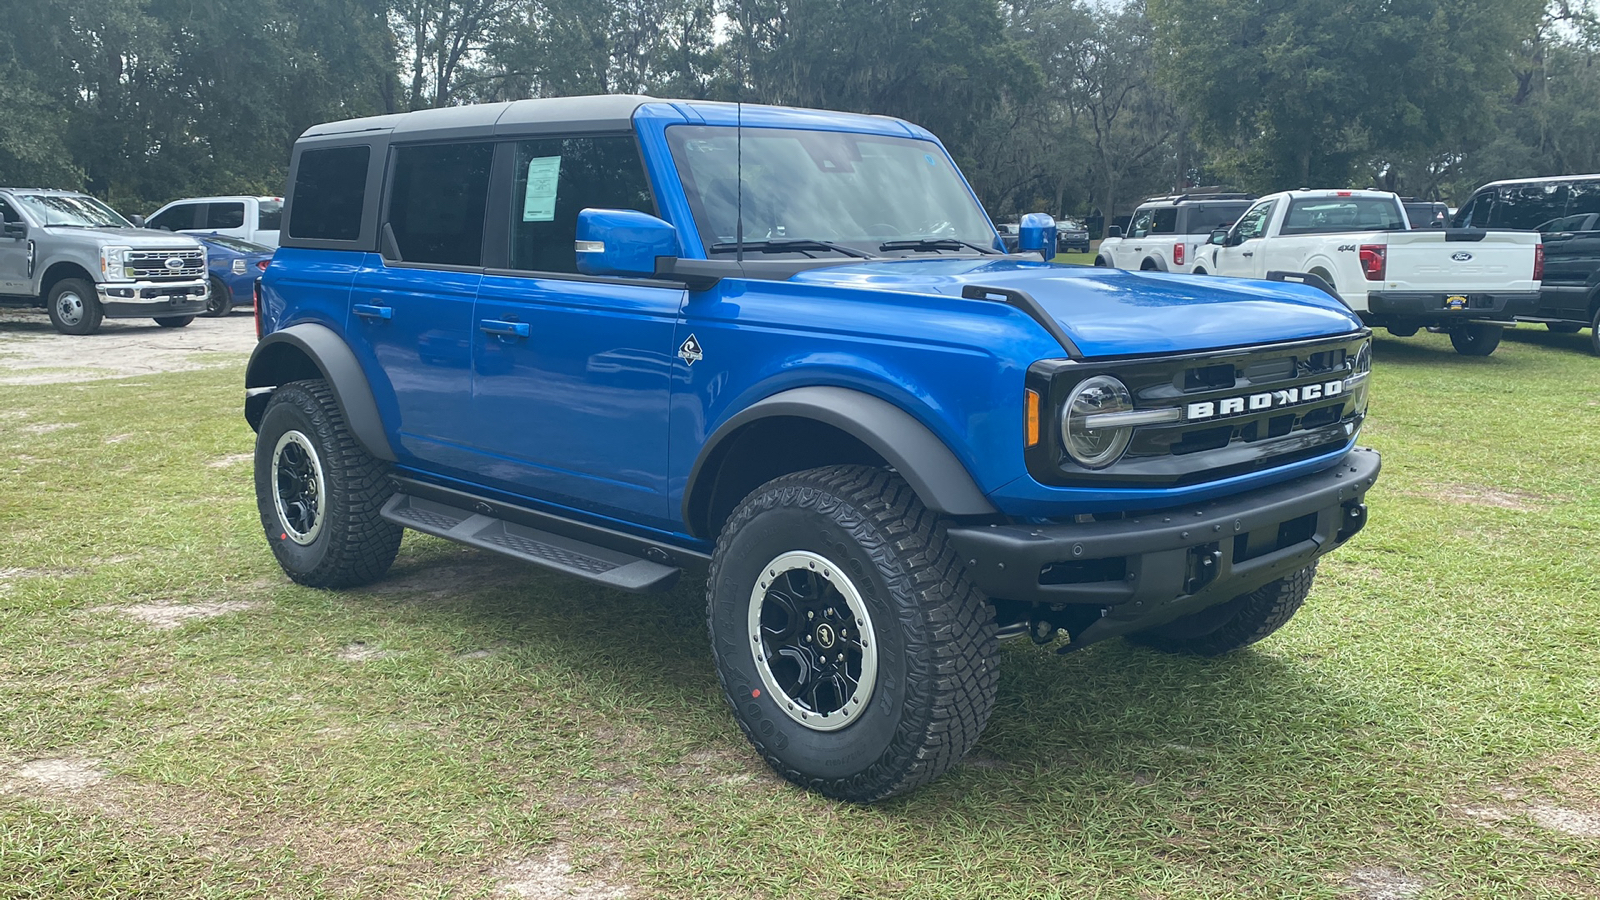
{"points": [[1233, 406]]}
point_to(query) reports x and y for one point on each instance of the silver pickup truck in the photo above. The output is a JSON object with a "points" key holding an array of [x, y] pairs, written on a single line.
{"points": [[82, 262]]}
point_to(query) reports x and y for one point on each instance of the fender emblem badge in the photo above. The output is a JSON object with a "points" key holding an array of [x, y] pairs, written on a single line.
{"points": [[690, 352]]}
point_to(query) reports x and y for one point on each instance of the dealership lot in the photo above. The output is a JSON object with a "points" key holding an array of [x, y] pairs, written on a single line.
{"points": [[175, 712]]}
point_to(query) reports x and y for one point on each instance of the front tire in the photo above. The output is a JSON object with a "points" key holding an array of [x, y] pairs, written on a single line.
{"points": [[1476, 338], [318, 492], [857, 657], [73, 307], [221, 302], [1235, 624]]}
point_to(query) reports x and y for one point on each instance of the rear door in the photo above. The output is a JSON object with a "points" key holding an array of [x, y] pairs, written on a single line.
{"points": [[225, 217], [410, 316], [1572, 253], [571, 373]]}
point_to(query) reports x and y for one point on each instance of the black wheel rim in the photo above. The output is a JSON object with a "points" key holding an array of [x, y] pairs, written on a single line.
{"points": [[812, 641], [298, 487]]}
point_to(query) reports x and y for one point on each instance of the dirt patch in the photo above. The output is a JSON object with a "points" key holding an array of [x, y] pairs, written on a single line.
{"points": [[171, 615], [31, 352], [1384, 883], [47, 427], [1477, 495], [232, 459], [361, 651], [53, 776], [552, 876]]}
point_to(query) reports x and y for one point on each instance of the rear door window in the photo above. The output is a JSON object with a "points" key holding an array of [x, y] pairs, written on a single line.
{"points": [[228, 214], [330, 192], [437, 197], [269, 215], [556, 178]]}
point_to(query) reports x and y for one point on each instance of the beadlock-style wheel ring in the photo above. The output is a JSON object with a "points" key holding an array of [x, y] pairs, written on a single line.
{"points": [[812, 641], [298, 487]]}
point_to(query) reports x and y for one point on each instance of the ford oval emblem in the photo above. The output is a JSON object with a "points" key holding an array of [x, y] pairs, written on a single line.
{"points": [[174, 262], [1461, 256]]}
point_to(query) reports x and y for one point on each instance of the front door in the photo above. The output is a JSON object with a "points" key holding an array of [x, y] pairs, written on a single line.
{"points": [[13, 256], [1245, 256], [410, 321], [571, 374]]}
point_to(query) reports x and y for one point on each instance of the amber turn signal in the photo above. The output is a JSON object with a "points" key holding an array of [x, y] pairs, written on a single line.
{"points": [[1032, 414]]}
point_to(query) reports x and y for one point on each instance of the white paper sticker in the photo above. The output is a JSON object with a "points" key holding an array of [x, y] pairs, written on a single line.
{"points": [[539, 202]]}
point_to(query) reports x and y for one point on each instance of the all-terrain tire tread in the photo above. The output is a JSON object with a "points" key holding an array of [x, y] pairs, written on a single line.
{"points": [[363, 544], [1258, 614], [949, 626]]}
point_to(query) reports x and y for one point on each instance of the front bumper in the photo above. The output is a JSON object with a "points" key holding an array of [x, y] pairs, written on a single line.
{"points": [[1436, 308], [143, 299], [1168, 563]]}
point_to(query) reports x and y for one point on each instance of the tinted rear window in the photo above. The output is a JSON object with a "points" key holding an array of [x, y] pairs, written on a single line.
{"points": [[1332, 215], [436, 202], [271, 216], [224, 215], [1205, 218], [330, 191]]}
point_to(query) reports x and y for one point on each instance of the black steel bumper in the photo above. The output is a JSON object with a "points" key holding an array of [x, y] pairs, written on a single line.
{"points": [[1169, 563], [1426, 308]]}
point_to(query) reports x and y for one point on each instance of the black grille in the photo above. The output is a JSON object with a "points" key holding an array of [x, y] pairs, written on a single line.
{"points": [[1227, 428]]}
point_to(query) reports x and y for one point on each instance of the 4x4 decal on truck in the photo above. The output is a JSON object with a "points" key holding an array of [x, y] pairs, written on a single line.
{"points": [[690, 352]]}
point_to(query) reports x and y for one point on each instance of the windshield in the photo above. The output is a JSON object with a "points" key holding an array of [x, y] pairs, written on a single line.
{"points": [[71, 211], [233, 243], [854, 190], [1331, 215]]}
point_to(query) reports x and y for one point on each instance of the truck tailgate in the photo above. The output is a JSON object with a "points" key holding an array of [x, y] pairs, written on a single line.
{"points": [[1428, 260]]}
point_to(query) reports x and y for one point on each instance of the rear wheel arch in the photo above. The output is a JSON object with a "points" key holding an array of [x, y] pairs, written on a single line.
{"points": [[809, 427], [309, 351]]}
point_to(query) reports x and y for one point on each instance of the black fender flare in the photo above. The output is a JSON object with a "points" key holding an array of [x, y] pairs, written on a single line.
{"points": [[274, 362], [940, 480]]}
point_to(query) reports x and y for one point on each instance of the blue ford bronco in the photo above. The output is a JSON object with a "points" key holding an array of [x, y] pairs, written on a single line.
{"points": [[784, 349]]}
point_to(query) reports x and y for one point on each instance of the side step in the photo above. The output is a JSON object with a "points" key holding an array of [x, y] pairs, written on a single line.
{"points": [[552, 551]]}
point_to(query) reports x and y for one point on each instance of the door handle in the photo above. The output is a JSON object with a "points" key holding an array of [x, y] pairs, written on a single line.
{"points": [[372, 311], [1248, 253], [505, 329]]}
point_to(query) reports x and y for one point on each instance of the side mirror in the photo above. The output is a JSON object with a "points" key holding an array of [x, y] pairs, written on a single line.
{"points": [[1037, 233], [138, 221], [1219, 237], [1115, 231], [18, 230], [623, 242]]}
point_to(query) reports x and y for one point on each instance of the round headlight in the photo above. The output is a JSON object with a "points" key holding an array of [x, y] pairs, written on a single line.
{"points": [[1096, 448]]}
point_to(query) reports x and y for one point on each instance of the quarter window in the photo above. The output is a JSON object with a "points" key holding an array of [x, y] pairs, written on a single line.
{"points": [[437, 200], [555, 179], [1583, 207], [330, 192]]}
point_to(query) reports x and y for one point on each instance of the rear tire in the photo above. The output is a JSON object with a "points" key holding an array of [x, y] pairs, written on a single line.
{"points": [[1564, 327], [1476, 338], [1594, 333], [73, 307], [1100, 263], [174, 321], [1235, 624], [221, 302], [847, 559], [318, 492]]}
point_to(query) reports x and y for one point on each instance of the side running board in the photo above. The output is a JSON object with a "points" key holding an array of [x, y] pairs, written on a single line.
{"points": [[558, 553]]}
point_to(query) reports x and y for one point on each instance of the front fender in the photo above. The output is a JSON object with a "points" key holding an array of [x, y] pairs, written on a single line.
{"points": [[310, 350], [922, 459]]}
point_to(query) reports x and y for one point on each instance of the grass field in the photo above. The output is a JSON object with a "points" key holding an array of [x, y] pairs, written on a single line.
{"points": [[178, 719]]}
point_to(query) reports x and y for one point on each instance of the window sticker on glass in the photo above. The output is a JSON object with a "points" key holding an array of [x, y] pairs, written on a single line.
{"points": [[539, 201]]}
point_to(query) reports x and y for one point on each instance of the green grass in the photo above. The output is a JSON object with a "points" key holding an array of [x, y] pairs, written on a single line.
{"points": [[489, 714]]}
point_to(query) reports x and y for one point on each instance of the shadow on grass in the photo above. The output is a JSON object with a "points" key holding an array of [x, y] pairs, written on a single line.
{"points": [[1540, 336]]}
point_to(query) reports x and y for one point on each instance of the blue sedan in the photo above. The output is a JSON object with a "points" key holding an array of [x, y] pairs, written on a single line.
{"points": [[235, 266]]}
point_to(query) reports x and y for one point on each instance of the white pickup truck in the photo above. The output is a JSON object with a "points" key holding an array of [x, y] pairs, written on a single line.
{"points": [[1466, 282]]}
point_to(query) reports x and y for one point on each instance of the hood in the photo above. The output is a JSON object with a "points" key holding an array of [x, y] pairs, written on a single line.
{"points": [[1110, 312], [138, 238]]}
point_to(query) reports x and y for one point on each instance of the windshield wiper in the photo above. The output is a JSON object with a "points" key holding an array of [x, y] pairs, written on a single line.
{"points": [[938, 244], [786, 245]]}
